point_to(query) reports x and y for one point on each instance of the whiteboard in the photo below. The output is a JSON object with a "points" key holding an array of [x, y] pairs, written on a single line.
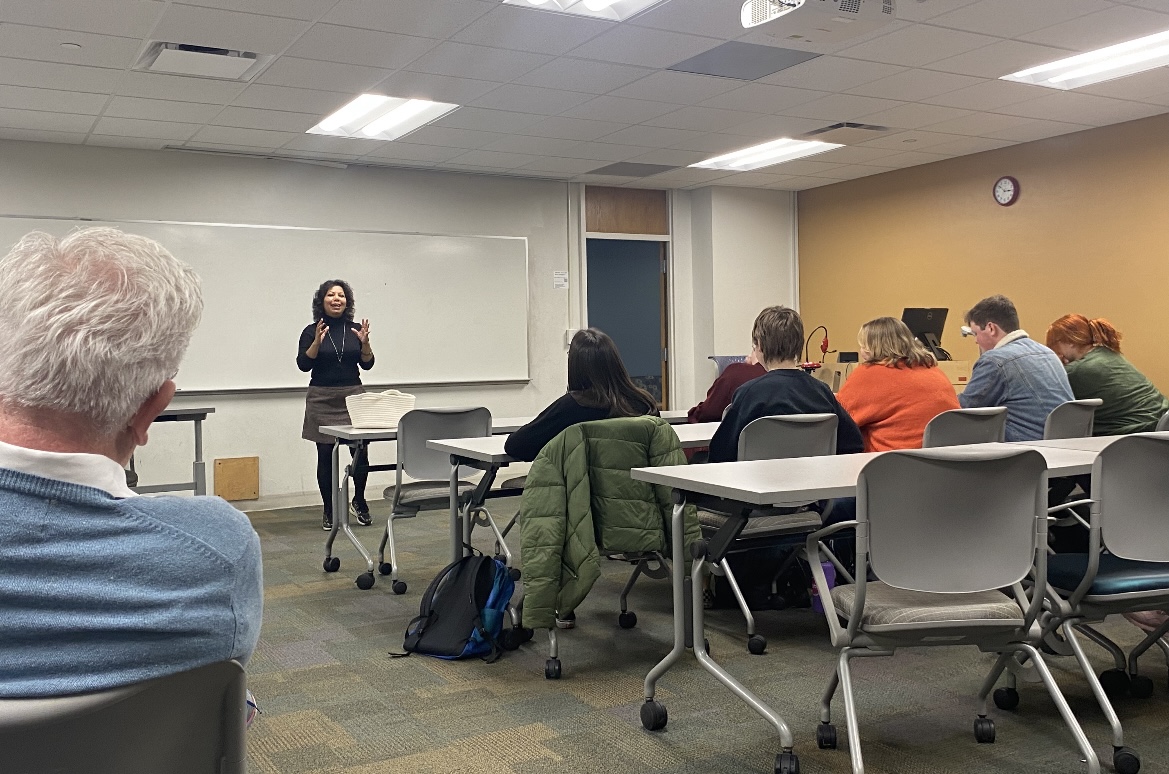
{"points": [[441, 309]]}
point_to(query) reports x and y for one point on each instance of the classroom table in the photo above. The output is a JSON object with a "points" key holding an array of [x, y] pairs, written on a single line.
{"points": [[487, 454], [766, 483], [1092, 443], [198, 484]]}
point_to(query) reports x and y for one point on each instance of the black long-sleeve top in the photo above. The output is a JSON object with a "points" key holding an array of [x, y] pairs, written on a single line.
{"points": [[339, 355], [525, 443], [782, 391]]}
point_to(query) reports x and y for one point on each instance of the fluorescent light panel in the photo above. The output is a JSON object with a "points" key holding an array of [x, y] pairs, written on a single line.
{"points": [[378, 117], [1104, 64], [766, 154], [613, 10]]}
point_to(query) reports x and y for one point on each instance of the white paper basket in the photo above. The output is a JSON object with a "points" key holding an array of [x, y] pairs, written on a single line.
{"points": [[378, 410]]}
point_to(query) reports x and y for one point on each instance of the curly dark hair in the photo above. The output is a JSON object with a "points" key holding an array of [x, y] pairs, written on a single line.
{"points": [[319, 299]]}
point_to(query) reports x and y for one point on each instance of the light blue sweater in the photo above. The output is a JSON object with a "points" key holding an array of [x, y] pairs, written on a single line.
{"points": [[97, 592]]}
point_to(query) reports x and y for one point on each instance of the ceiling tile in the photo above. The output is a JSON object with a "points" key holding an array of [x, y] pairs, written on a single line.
{"points": [[276, 120], [626, 111], [812, 166], [966, 145], [230, 135], [702, 119], [600, 151], [354, 147], [832, 73], [914, 115], [679, 88], [854, 154], [428, 18], [854, 172], [988, 95], [291, 9], [371, 48], [774, 127], [453, 138], [325, 76], [915, 85], [979, 124], [583, 75], [840, 107], [11, 118], [488, 64], [43, 44], [40, 135], [1141, 86], [649, 136], [914, 140], [910, 159], [261, 95], [496, 159], [1073, 107], [483, 120], [25, 98], [124, 18], [139, 143], [53, 75], [572, 128], [1114, 25], [671, 157], [413, 152], [561, 165], [227, 29], [1011, 18], [999, 59], [437, 88], [161, 110], [540, 146], [920, 11], [134, 127], [1036, 130], [174, 87], [512, 27], [641, 46], [762, 98], [917, 45], [685, 177], [713, 144], [716, 20], [531, 99]]}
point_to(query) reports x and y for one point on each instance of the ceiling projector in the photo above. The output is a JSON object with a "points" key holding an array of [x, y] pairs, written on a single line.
{"points": [[818, 21]]}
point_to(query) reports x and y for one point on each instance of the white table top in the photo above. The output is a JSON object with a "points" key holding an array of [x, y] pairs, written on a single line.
{"points": [[1093, 444], [350, 433], [675, 416], [771, 482], [490, 448]]}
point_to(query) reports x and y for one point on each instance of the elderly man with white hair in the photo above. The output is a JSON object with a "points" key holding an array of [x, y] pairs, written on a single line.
{"points": [[101, 588]]}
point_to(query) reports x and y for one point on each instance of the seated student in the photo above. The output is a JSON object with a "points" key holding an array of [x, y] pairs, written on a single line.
{"points": [[897, 389], [718, 397], [1090, 350], [1013, 370], [599, 387], [778, 339], [102, 588]]}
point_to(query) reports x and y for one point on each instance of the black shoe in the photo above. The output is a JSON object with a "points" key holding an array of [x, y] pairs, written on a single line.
{"points": [[361, 511], [327, 522]]}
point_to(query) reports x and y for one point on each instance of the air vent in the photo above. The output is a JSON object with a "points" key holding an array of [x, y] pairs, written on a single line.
{"points": [[850, 6], [845, 133], [201, 61]]}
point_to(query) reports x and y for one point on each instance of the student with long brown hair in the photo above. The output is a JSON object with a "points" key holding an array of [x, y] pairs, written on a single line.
{"points": [[1090, 350], [897, 389], [599, 387]]}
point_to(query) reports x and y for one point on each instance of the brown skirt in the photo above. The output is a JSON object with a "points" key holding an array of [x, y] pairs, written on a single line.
{"points": [[326, 406]]}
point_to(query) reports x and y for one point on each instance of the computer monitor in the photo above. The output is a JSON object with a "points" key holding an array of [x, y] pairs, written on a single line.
{"points": [[926, 325]]}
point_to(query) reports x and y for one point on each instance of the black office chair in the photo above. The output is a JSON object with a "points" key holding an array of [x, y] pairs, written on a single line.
{"points": [[188, 723]]}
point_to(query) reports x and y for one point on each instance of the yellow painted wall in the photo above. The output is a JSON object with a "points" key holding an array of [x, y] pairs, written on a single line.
{"points": [[1089, 234]]}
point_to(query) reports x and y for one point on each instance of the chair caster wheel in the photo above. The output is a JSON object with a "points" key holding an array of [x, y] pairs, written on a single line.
{"points": [[365, 581], [1140, 687], [399, 587], [757, 644], [984, 731], [627, 620], [653, 715], [1126, 761], [385, 568], [552, 669], [509, 639], [787, 763], [332, 564], [826, 736], [514, 574], [1006, 698], [1115, 682]]}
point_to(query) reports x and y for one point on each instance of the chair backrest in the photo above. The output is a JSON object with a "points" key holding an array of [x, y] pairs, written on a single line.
{"points": [[421, 425], [188, 723], [788, 435], [1131, 489], [962, 426], [952, 520], [1072, 419], [1163, 423]]}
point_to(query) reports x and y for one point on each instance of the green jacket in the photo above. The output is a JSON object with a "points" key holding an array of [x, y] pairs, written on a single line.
{"points": [[579, 501]]}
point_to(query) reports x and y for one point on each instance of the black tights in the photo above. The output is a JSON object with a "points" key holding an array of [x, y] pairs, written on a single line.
{"points": [[325, 475]]}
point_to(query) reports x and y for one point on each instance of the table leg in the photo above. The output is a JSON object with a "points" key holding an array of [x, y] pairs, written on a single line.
{"points": [[456, 518], [199, 468], [678, 584], [341, 501]]}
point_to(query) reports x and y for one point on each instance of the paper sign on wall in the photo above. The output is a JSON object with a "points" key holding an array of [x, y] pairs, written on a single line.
{"points": [[559, 280]]}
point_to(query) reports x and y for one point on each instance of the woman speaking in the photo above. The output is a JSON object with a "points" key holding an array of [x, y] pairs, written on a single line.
{"points": [[332, 348]]}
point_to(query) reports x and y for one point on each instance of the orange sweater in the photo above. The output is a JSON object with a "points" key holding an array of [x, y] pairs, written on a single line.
{"points": [[893, 405]]}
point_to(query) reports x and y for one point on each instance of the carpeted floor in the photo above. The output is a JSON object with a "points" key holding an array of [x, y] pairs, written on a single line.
{"points": [[334, 702]]}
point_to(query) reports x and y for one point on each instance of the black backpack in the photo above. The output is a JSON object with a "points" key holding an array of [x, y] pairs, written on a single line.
{"points": [[462, 612]]}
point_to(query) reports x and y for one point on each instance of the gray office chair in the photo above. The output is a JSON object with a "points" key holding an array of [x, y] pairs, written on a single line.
{"points": [[962, 426], [1073, 419], [189, 723], [1163, 423], [430, 470], [978, 524], [775, 437]]}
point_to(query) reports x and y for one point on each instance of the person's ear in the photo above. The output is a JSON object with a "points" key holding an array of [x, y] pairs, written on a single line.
{"points": [[149, 411]]}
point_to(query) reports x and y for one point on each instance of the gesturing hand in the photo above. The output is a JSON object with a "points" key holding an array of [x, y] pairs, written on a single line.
{"points": [[363, 332], [322, 329]]}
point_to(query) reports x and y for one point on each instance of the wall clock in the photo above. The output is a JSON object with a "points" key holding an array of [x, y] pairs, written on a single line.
{"points": [[1006, 190]]}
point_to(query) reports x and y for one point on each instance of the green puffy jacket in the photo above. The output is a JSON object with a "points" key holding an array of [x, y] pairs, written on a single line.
{"points": [[579, 500]]}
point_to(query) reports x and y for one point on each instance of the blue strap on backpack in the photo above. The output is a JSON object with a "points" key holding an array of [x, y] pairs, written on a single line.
{"points": [[462, 611]]}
